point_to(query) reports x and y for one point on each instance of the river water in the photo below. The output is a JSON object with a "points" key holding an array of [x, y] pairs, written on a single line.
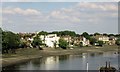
{"points": [[69, 62]]}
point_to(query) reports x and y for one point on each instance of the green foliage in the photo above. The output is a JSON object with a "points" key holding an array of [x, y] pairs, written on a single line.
{"points": [[77, 35], [10, 40], [55, 32], [96, 34], [100, 43], [63, 33], [71, 33], [86, 35], [37, 41], [117, 35], [118, 41], [105, 34], [23, 44], [91, 35], [63, 43], [43, 33], [111, 35], [92, 41]]}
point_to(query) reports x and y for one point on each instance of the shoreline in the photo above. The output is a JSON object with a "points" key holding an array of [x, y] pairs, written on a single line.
{"points": [[7, 61]]}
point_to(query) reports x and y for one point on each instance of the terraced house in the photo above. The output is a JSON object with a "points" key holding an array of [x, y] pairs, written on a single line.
{"points": [[103, 38]]}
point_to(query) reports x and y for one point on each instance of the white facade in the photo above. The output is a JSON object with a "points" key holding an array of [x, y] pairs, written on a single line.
{"points": [[50, 39]]}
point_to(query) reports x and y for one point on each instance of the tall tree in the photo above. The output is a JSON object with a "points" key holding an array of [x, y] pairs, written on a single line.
{"points": [[10, 41]]}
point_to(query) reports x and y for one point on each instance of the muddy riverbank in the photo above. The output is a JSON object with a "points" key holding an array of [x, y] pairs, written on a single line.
{"points": [[26, 54]]}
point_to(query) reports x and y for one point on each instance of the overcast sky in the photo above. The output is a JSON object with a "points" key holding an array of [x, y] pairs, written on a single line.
{"points": [[91, 17]]}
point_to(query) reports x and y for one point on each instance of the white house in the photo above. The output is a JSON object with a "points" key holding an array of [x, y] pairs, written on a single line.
{"points": [[85, 42], [50, 40]]}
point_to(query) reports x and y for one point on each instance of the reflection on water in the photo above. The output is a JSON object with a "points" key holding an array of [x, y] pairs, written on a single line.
{"points": [[69, 62], [50, 62]]}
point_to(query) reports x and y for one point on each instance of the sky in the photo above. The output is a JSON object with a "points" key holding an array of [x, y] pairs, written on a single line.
{"points": [[59, 0], [80, 17]]}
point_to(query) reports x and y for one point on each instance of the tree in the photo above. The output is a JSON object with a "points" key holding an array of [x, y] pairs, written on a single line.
{"points": [[105, 34], [100, 43], [55, 32], [63, 43], [63, 33], [118, 41], [96, 34], [111, 35], [86, 35], [22, 44], [77, 35], [10, 41], [91, 35], [37, 42], [117, 35], [93, 41], [43, 33]]}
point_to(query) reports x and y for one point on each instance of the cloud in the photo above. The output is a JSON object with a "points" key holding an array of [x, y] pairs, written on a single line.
{"points": [[58, 15], [80, 17], [20, 11], [98, 6], [89, 12], [64, 15], [80, 12]]}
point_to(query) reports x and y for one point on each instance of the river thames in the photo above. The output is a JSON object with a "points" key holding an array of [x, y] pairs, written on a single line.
{"points": [[83, 61]]}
